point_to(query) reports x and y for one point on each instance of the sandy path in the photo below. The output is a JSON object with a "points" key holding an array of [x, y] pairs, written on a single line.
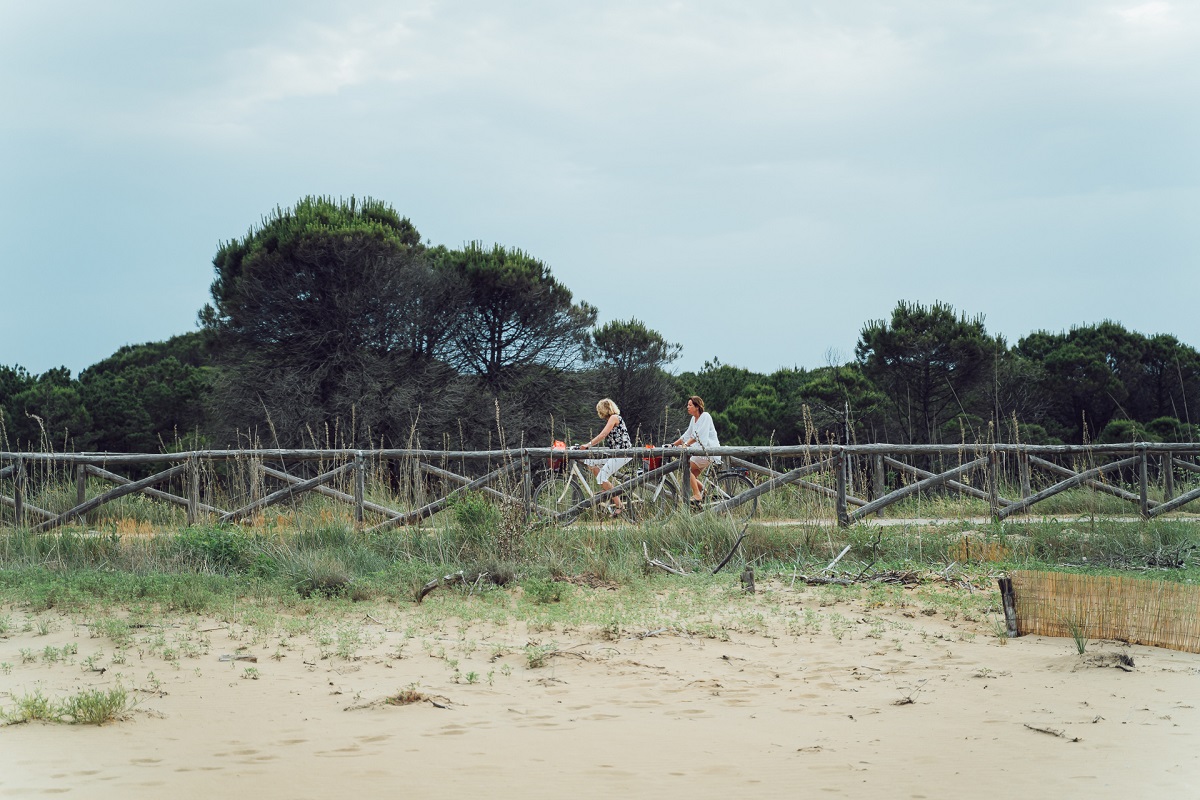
{"points": [[777, 712]]}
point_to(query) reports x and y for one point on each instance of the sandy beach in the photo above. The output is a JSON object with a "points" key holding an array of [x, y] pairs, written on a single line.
{"points": [[783, 693]]}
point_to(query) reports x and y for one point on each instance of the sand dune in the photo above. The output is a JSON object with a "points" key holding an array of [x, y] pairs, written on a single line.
{"points": [[841, 701]]}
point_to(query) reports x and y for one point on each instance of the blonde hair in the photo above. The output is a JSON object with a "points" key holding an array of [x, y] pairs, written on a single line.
{"points": [[698, 402], [606, 408]]}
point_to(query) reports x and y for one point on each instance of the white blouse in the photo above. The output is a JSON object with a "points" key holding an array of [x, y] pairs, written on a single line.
{"points": [[702, 430]]}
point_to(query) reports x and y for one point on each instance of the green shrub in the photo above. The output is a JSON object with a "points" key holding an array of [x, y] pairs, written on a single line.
{"points": [[544, 592], [32, 707], [220, 549], [315, 573], [96, 706]]}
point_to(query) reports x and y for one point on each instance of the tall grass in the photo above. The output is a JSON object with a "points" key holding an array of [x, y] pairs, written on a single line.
{"points": [[200, 568]]}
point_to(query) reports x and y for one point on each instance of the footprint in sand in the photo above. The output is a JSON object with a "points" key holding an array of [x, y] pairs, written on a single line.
{"points": [[340, 752]]}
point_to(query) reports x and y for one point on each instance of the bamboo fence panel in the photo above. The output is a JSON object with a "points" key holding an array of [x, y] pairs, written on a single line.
{"points": [[1134, 610]]}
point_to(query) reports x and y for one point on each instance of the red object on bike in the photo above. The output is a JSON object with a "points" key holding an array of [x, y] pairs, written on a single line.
{"points": [[557, 463], [650, 461]]}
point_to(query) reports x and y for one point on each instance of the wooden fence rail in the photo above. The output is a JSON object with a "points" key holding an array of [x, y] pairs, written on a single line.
{"points": [[825, 473]]}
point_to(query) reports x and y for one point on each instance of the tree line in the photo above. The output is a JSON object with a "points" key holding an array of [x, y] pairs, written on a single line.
{"points": [[333, 324]]}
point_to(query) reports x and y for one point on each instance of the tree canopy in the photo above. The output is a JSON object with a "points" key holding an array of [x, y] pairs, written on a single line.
{"points": [[927, 360], [331, 323]]}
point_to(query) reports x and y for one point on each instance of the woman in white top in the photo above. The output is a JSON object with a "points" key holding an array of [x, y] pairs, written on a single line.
{"points": [[700, 430], [614, 435]]}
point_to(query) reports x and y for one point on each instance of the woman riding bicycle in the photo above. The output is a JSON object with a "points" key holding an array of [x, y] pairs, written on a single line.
{"points": [[701, 430], [614, 435]]}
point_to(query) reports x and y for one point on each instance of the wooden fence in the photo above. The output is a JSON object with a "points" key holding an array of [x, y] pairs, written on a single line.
{"points": [[1010, 479]]}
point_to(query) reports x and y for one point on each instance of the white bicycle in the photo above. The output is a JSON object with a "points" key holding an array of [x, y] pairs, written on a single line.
{"points": [[565, 486]]}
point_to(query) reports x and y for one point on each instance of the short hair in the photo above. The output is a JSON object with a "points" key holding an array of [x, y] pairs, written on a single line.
{"points": [[606, 408], [697, 401]]}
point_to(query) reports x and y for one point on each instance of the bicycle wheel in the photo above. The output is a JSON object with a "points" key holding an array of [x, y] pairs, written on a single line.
{"points": [[642, 504], [659, 499], [554, 495], [725, 486]]}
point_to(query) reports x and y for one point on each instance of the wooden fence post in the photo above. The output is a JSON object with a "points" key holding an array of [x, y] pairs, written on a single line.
{"points": [[877, 482], [526, 483], [1023, 468], [1168, 473], [1144, 494], [685, 483], [839, 466], [1008, 600], [81, 485], [19, 493], [193, 499], [360, 488], [994, 485]]}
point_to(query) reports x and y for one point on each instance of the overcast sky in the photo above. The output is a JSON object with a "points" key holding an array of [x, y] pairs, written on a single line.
{"points": [[755, 180]]}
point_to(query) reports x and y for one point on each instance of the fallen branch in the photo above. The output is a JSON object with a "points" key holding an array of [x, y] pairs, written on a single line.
{"points": [[648, 634], [899, 577], [732, 550], [455, 577], [1053, 732], [654, 562], [833, 563]]}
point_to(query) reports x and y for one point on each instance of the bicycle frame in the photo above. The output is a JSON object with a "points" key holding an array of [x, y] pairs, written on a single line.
{"points": [[560, 492], [718, 486], [653, 496]]}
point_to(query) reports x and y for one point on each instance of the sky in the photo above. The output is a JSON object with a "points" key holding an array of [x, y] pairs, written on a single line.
{"points": [[754, 180]]}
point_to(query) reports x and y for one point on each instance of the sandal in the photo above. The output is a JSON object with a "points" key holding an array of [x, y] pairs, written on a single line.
{"points": [[696, 505]]}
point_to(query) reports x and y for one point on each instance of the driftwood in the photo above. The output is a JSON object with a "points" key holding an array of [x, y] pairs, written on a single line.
{"points": [[748, 580], [470, 578], [833, 563], [1053, 732], [654, 562], [732, 550], [895, 577], [454, 577]]}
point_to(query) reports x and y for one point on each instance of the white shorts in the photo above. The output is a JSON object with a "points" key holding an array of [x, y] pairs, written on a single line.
{"points": [[607, 466], [704, 461]]}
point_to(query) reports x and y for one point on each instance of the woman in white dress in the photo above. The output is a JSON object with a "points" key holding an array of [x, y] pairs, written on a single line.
{"points": [[699, 431]]}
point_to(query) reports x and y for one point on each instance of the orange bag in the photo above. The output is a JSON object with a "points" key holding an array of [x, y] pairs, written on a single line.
{"points": [[557, 463], [651, 461]]}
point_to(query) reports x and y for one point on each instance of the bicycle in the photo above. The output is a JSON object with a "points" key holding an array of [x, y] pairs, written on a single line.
{"points": [[564, 486], [717, 485]]}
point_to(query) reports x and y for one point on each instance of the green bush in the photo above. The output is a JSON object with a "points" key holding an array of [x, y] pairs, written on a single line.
{"points": [[219, 549], [545, 592]]}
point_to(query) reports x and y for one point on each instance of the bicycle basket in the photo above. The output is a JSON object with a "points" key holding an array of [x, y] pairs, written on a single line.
{"points": [[650, 461], [558, 463]]}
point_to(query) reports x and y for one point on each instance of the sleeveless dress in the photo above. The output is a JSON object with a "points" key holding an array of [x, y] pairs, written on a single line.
{"points": [[617, 437]]}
